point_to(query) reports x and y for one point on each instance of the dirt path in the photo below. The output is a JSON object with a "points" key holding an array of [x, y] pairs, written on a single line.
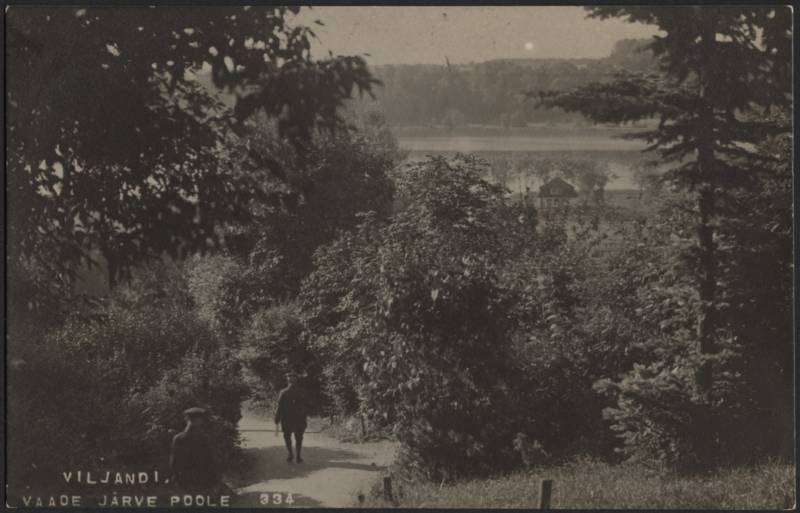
{"points": [[332, 474]]}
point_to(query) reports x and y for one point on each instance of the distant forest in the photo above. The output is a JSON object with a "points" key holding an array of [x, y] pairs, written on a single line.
{"points": [[491, 92]]}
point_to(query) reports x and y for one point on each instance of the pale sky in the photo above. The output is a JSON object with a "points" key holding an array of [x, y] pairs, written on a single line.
{"points": [[424, 34]]}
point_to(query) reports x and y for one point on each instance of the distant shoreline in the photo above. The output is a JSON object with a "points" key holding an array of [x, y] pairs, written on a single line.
{"points": [[523, 144], [532, 130], [530, 139], [517, 144]]}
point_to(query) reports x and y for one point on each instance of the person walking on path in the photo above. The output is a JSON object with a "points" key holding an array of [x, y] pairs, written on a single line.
{"points": [[291, 415], [191, 458]]}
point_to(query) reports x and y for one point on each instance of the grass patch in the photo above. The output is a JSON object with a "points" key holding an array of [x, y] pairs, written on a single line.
{"points": [[587, 484]]}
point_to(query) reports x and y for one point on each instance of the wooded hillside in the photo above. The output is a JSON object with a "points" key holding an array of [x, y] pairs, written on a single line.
{"points": [[491, 92]]}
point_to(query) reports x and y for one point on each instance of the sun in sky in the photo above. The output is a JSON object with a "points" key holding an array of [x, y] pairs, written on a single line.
{"points": [[529, 46]]}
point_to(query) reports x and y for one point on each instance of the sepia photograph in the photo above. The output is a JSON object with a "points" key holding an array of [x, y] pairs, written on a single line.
{"points": [[395, 256]]}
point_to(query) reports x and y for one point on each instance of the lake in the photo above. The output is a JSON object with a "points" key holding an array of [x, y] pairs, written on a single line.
{"points": [[467, 144], [621, 155]]}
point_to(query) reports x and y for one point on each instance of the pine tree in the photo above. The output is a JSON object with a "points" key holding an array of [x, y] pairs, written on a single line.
{"points": [[722, 68]]}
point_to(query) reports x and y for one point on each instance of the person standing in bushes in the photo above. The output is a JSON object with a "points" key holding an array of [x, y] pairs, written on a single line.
{"points": [[291, 415], [191, 459]]}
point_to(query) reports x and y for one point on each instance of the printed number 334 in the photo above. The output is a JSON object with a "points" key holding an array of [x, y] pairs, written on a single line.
{"points": [[276, 498]]}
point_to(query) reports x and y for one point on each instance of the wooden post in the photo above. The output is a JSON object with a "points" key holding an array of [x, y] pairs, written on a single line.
{"points": [[387, 489], [545, 489], [363, 428]]}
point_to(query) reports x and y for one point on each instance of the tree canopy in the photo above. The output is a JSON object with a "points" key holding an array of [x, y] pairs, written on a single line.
{"points": [[113, 143]]}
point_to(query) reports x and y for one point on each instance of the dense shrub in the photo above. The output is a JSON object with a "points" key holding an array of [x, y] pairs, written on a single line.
{"points": [[273, 345], [574, 323], [210, 380], [211, 281], [325, 188], [336, 285], [54, 396], [422, 320], [664, 421], [244, 292], [116, 388]]}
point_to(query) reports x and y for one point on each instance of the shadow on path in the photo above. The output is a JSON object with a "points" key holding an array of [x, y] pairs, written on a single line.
{"points": [[268, 463]]}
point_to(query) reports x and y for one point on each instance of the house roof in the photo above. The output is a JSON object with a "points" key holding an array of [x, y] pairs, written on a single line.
{"points": [[557, 188]]}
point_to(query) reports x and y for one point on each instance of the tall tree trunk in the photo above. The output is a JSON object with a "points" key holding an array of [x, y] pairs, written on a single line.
{"points": [[706, 160], [706, 321]]}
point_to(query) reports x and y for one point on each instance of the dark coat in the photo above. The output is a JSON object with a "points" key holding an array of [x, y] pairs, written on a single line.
{"points": [[291, 411], [192, 461]]}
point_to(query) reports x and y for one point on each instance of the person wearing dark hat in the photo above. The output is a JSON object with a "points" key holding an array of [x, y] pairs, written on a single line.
{"points": [[291, 415], [191, 459]]}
